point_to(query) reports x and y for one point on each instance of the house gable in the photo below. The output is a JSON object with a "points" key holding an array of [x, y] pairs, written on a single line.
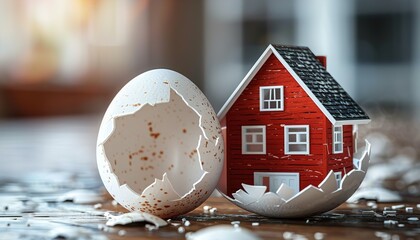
{"points": [[299, 109]]}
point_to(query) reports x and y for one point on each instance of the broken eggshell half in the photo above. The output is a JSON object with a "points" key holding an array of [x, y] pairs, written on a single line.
{"points": [[284, 203], [160, 148]]}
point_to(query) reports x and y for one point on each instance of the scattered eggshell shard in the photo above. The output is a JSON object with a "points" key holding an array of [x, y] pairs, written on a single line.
{"points": [[222, 232], [133, 217], [311, 200], [160, 148]]}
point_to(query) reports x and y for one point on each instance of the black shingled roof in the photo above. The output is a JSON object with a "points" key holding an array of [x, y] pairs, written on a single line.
{"points": [[331, 95]]}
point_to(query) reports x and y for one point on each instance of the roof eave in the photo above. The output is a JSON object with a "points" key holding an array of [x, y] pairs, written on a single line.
{"points": [[352, 122]]}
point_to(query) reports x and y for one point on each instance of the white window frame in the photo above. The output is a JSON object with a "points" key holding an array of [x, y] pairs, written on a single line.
{"points": [[337, 142], [254, 138], [338, 178], [278, 101], [298, 141]]}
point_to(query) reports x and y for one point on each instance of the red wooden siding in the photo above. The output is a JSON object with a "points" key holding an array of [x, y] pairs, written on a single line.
{"points": [[299, 109], [337, 162]]}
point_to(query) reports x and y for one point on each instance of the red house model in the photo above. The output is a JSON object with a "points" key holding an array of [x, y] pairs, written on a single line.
{"points": [[288, 122]]}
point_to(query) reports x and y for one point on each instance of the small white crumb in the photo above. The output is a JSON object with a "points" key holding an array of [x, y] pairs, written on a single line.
{"points": [[307, 221], [169, 220], [151, 227], [97, 206], [114, 203], [187, 223], [401, 225], [213, 210], [413, 219], [254, 224], [206, 209], [372, 205], [409, 209], [288, 235], [390, 213], [418, 205], [319, 236], [122, 233], [235, 222], [390, 222], [398, 206], [181, 230], [183, 220], [175, 224]]}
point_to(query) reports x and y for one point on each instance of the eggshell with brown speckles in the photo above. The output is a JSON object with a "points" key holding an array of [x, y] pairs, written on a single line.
{"points": [[160, 148]]}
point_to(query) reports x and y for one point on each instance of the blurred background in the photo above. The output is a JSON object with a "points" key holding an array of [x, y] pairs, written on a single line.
{"points": [[70, 57], [61, 63]]}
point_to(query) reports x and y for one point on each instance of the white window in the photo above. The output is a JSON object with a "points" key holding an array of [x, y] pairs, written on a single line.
{"points": [[253, 139], [338, 139], [338, 178], [271, 98], [296, 139]]}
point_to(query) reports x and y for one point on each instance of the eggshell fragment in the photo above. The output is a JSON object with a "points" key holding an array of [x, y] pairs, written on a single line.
{"points": [[160, 148], [133, 217], [309, 201]]}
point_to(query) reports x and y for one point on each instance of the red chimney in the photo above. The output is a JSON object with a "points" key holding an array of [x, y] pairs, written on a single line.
{"points": [[322, 60]]}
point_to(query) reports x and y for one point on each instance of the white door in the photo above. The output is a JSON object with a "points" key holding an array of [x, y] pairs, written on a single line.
{"points": [[273, 180]]}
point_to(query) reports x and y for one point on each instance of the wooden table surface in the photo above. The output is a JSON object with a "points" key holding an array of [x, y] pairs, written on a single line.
{"points": [[42, 160], [349, 221]]}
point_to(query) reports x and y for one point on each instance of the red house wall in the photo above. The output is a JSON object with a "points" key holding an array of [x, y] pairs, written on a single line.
{"points": [[299, 109], [339, 161]]}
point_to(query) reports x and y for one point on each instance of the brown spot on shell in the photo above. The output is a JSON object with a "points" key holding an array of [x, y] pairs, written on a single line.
{"points": [[144, 158], [154, 135], [184, 130]]}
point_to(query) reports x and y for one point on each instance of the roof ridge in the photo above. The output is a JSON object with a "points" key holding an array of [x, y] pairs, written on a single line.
{"points": [[284, 46]]}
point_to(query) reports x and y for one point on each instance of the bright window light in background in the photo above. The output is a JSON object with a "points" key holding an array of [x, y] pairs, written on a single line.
{"points": [[61, 40]]}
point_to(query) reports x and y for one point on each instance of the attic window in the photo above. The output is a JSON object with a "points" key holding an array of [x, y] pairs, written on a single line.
{"points": [[296, 139], [338, 139], [271, 98], [253, 139]]}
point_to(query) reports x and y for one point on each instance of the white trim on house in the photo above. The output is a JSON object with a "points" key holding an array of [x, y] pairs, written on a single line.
{"points": [[254, 138], [338, 177], [301, 138], [250, 75], [279, 102], [337, 139]]}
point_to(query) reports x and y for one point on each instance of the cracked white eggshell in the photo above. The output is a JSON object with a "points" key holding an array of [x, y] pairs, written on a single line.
{"points": [[160, 148], [310, 201]]}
